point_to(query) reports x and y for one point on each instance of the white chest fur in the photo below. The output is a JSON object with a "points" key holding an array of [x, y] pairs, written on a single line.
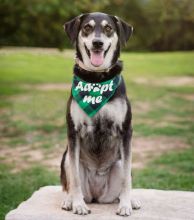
{"points": [[115, 111]]}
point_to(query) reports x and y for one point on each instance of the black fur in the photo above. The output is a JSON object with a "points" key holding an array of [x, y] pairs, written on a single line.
{"points": [[100, 143]]}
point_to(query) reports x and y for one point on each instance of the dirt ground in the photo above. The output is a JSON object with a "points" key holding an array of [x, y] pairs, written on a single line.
{"points": [[144, 150]]}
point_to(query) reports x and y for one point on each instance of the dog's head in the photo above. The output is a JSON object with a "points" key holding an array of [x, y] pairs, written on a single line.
{"points": [[98, 38]]}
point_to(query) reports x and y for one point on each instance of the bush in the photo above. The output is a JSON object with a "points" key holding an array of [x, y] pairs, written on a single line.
{"points": [[158, 25]]}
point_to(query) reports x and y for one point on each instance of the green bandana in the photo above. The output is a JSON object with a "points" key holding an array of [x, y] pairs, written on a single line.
{"points": [[91, 97]]}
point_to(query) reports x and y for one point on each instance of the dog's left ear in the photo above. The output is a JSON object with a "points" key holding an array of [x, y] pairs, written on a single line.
{"points": [[124, 30], [72, 28]]}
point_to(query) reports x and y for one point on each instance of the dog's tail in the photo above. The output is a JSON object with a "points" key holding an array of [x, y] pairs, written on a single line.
{"points": [[63, 175]]}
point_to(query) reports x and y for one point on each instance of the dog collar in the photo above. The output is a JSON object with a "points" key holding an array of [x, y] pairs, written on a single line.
{"points": [[91, 97]]}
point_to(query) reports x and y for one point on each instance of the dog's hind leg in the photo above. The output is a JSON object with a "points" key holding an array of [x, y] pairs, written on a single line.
{"points": [[84, 177], [112, 187]]}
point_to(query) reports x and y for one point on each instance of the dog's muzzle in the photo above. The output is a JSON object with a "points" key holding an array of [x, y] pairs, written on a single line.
{"points": [[97, 53]]}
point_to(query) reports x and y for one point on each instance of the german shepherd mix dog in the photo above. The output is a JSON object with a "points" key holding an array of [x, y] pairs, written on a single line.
{"points": [[96, 166]]}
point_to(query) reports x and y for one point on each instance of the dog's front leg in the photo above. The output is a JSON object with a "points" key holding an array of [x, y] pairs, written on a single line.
{"points": [[125, 207], [75, 197]]}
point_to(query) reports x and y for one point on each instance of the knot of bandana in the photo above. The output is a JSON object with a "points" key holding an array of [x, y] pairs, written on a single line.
{"points": [[91, 97]]}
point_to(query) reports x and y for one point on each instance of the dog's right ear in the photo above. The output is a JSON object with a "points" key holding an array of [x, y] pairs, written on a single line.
{"points": [[72, 28]]}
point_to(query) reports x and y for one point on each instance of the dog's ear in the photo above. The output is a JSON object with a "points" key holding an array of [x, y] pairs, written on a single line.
{"points": [[72, 28], [124, 30]]}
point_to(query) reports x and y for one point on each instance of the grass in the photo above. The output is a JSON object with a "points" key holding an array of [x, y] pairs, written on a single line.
{"points": [[170, 171], [23, 68], [15, 188], [159, 64], [26, 67], [34, 119]]}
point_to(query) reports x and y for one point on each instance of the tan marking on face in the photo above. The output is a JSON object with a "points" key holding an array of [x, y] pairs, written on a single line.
{"points": [[104, 23], [92, 23]]}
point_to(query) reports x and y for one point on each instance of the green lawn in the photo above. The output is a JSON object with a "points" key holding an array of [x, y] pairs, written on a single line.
{"points": [[161, 89], [15, 188], [26, 67]]}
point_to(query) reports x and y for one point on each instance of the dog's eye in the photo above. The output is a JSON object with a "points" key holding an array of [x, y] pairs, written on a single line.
{"points": [[108, 28], [88, 28]]}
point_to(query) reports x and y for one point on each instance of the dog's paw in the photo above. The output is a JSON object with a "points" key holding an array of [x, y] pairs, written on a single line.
{"points": [[80, 208], [124, 210], [136, 204], [67, 204]]}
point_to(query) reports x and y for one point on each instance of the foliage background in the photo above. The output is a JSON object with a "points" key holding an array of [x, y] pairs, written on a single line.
{"points": [[158, 24]]}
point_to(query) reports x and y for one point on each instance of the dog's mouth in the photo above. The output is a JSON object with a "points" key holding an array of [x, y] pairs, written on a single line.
{"points": [[97, 56]]}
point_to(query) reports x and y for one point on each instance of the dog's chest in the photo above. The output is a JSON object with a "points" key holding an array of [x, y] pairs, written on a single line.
{"points": [[108, 119]]}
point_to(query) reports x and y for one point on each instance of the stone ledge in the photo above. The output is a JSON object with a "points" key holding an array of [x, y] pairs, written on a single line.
{"points": [[45, 203]]}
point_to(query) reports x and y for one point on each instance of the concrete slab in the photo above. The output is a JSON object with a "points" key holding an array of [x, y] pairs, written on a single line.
{"points": [[45, 204]]}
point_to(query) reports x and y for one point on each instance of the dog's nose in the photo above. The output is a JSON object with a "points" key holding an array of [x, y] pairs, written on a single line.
{"points": [[97, 44]]}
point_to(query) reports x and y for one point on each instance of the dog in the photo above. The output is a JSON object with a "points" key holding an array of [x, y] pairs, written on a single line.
{"points": [[96, 166]]}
